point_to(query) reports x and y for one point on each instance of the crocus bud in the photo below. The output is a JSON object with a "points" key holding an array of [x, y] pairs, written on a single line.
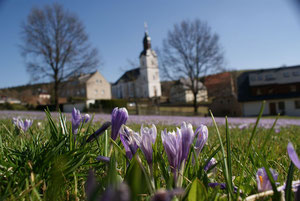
{"points": [[127, 139], [173, 147], [118, 118], [77, 119], [22, 125], [187, 134], [145, 141], [211, 163], [202, 136]]}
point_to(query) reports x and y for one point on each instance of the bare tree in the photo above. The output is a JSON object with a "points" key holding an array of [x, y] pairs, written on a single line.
{"points": [[190, 51], [56, 46]]}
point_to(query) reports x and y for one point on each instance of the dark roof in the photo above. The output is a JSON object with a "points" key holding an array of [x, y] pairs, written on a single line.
{"points": [[244, 89], [128, 76], [146, 44]]}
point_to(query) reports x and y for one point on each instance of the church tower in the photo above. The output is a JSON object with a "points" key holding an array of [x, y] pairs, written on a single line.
{"points": [[149, 73]]}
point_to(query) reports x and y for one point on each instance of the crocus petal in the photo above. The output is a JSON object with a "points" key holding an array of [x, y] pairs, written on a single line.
{"points": [[214, 185], [263, 182], [22, 125], [187, 134], [76, 120], [166, 195], [118, 118], [293, 155], [173, 147], [211, 163], [202, 136], [91, 185], [145, 141], [103, 159], [127, 139], [119, 193], [86, 118]]}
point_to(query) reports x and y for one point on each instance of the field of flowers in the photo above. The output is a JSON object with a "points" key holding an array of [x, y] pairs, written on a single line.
{"points": [[54, 156]]}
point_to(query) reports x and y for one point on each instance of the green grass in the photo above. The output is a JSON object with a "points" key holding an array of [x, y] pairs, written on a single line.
{"points": [[46, 163]]}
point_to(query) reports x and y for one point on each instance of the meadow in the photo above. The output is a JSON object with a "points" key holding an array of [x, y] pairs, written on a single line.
{"points": [[58, 158]]}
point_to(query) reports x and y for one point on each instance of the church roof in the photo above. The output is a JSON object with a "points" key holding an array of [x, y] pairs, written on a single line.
{"points": [[130, 75], [146, 44]]}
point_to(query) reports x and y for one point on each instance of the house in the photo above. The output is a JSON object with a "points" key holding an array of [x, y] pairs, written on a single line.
{"points": [[31, 94], [279, 87], [222, 93], [86, 87], [141, 82], [181, 93]]}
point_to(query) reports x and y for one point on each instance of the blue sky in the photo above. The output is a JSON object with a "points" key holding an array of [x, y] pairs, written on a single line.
{"points": [[254, 34]]}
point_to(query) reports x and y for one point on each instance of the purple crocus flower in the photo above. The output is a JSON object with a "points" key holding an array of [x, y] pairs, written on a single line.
{"points": [[173, 147], [126, 136], [145, 141], [211, 163], [293, 155], [118, 118], [187, 134], [202, 136], [77, 119], [263, 182], [214, 185], [222, 186], [166, 195], [22, 125], [121, 192], [177, 145]]}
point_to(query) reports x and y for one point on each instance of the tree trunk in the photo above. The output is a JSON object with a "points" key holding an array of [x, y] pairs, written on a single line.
{"points": [[56, 96], [56, 87], [195, 103]]}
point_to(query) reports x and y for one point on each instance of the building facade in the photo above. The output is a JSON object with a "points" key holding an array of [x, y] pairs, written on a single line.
{"points": [[181, 93], [222, 94], [87, 87], [141, 82], [279, 87]]}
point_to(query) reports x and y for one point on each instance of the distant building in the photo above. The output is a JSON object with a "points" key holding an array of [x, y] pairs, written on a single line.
{"points": [[141, 82], [181, 93], [222, 93], [86, 87], [280, 87]]}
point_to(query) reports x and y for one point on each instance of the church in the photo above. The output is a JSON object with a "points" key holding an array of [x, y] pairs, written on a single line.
{"points": [[141, 82]]}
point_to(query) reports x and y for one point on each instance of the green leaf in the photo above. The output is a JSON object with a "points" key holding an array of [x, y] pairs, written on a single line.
{"points": [[197, 191], [288, 190], [136, 179]]}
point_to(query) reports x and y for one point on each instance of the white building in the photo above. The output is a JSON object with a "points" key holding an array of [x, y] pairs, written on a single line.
{"points": [[181, 93], [141, 82], [279, 87]]}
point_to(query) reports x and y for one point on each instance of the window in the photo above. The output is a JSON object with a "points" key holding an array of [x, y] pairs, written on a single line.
{"points": [[96, 91], [260, 77], [269, 77], [281, 106], [102, 92], [297, 104], [293, 88], [153, 77], [286, 74]]}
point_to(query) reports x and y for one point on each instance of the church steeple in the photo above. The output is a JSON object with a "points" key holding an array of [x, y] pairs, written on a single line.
{"points": [[146, 41]]}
